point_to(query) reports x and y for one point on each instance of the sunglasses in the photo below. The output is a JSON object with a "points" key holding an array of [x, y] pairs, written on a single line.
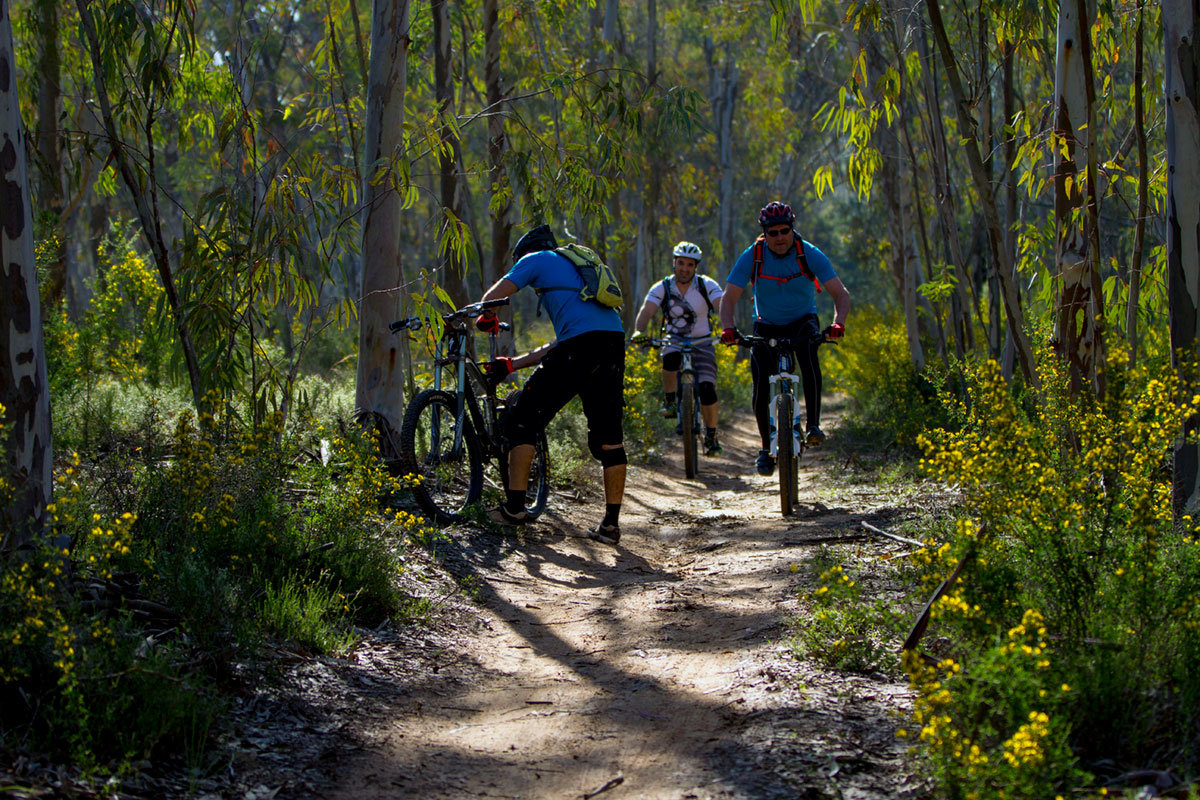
{"points": [[778, 232]]}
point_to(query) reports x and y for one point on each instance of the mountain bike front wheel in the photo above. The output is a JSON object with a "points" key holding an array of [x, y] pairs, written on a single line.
{"points": [[687, 418], [538, 490], [786, 453], [446, 460]]}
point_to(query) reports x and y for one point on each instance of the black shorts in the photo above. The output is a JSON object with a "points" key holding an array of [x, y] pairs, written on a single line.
{"points": [[591, 365]]}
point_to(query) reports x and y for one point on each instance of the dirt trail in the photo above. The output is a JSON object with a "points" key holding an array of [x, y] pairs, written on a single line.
{"points": [[656, 669]]}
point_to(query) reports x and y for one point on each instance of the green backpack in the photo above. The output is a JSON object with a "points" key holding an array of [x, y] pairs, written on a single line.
{"points": [[600, 284]]}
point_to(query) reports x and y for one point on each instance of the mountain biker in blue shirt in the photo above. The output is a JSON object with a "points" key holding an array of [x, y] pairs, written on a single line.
{"points": [[785, 273], [588, 359]]}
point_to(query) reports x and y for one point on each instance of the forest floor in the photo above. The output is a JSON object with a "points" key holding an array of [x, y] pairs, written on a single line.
{"points": [[557, 667]]}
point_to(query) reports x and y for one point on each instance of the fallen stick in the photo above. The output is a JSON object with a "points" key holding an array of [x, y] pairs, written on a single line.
{"points": [[878, 532], [612, 783]]}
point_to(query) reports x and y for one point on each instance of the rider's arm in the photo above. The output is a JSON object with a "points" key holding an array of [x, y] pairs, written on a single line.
{"points": [[533, 356], [729, 299], [500, 289], [647, 312], [841, 299]]}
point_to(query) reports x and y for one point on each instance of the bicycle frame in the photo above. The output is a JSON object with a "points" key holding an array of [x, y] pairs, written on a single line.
{"points": [[784, 382]]}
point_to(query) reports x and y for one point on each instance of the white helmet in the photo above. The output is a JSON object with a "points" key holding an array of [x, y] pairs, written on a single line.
{"points": [[687, 250]]}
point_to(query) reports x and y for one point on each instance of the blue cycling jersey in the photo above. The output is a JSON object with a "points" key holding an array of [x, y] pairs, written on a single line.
{"points": [[570, 314], [782, 302]]}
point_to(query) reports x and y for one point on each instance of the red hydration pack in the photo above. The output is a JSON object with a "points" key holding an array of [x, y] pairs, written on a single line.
{"points": [[801, 263]]}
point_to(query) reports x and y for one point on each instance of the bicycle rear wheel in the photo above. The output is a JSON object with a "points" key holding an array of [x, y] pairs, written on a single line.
{"points": [[538, 490], [786, 453], [449, 465], [687, 416]]}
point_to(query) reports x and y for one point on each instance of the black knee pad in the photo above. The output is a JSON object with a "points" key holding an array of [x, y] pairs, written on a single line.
{"points": [[613, 457], [708, 393], [672, 361]]}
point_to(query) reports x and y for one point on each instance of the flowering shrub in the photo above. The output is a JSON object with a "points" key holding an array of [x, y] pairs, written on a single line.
{"points": [[1072, 632], [231, 535], [888, 402]]}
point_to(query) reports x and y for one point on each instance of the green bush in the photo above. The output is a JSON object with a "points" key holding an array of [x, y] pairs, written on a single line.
{"points": [[231, 531], [1072, 634]]}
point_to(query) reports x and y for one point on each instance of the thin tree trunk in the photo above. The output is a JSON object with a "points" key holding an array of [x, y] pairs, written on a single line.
{"points": [[962, 302], [50, 185], [452, 265], [969, 130], [724, 85], [1139, 237], [24, 391], [499, 187], [1181, 85], [383, 357], [1080, 318]]}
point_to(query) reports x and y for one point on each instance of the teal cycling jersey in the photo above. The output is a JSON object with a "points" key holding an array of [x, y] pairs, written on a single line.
{"points": [[570, 314], [782, 294]]}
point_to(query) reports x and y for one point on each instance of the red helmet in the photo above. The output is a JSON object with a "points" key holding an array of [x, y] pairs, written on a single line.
{"points": [[775, 213]]}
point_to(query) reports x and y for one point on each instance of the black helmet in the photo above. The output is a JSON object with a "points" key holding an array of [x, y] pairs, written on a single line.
{"points": [[775, 213], [540, 238]]}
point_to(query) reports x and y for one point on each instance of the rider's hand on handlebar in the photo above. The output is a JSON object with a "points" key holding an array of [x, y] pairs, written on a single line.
{"points": [[500, 368], [730, 336], [836, 331], [639, 337], [488, 322]]}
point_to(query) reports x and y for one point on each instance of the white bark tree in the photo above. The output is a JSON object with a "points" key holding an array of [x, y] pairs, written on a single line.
{"points": [[24, 392], [1181, 85], [1080, 320], [383, 357]]}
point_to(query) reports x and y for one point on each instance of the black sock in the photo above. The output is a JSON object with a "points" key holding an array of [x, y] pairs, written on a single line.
{"points": [[612, 512], [670, 398], [514, 500], [710, 431]]}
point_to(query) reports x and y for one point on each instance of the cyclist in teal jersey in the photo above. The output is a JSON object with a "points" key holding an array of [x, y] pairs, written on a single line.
{"points": [[785, 273], [587, 359]]}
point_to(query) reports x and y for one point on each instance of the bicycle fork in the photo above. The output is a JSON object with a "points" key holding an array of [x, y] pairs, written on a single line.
{"points": [[797, 423]]}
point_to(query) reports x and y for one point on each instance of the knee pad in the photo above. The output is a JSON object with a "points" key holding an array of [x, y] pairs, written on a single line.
{"points": [[708, 393], [514, 433], [613, 457], [672, 361]]}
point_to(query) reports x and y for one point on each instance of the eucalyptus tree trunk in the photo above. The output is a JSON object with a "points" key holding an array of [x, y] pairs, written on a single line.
{"points": [[24, 392], [961, 303], [723, 87], [968, 129], [1181, 85], [51, 183], [500, 203], [1080, 317], [1139, 237], [452, 266], [382, 357]]}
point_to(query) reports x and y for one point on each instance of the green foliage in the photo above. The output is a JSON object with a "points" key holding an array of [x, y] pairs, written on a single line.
{"points": [[889, 403], [1072, 634], [231, 531], [843, 627]]}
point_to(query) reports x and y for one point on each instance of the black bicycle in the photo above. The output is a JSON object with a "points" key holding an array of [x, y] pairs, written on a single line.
{"points": [[448, 434], [688, 409], [787, 449]]}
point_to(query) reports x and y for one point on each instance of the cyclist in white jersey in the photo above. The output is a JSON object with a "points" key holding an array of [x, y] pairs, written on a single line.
{"points": [[687, 299]]}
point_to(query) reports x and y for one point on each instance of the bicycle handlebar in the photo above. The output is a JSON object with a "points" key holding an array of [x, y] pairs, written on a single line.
{"points": [[472, 310], [745, 340], [673, 339]]}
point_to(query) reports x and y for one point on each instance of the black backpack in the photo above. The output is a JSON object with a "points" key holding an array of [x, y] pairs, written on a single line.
{"points": [[667, 297]]}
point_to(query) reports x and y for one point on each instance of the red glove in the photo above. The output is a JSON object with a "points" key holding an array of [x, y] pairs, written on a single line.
{"points": [[488, 322], [730, 336], [836, 331], [500, 368]]}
